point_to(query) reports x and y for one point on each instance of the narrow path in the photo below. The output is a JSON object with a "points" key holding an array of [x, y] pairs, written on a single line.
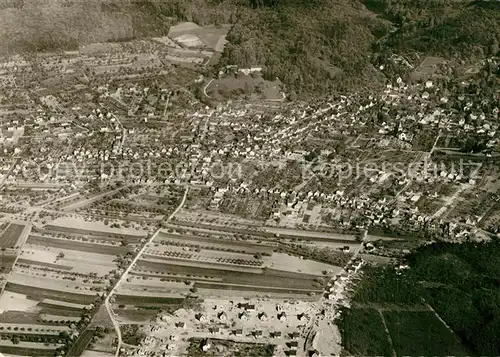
{"points": [[165, 114], [86, 202], [4, 179], [20, 244], [444, 323], [389, 338], [131, 265]]}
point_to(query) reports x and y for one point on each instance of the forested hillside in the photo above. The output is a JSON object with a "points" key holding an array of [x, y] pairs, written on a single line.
{"points": [[314, 46], [48, 25], [320, 46], [441, 27]]}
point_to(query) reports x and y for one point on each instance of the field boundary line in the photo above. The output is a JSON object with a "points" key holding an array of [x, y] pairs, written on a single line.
{"points": [[389, 337], [444, 323], [21, 241]]}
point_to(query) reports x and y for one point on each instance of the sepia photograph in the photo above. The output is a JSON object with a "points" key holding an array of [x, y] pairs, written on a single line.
{"points": [[249, 178]]}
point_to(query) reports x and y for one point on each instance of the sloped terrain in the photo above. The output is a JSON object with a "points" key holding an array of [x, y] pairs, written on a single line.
{"points": [[444, 28], [47, 25], [317, 46]]}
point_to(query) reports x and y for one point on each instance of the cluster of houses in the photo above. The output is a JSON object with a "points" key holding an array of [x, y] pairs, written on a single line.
{"points": [[337, 287]]}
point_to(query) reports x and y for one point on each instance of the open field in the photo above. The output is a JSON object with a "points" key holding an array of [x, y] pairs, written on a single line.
{"points": [[179, 254], [214, 243], [11, 301], [59, 318], [79, 261], [212, 260], [58, 311], [86, 236], [253, 87], [97, 233], [61, 304], [32, 329], [291, 291], [7, 259], [41, 294], [86, 201], [142, 300], [285, 262], [136, 315], [20, 317], [11, 235], [222, 319], [22, 262], [311, 235], [37, 349], [79, 226], [91, 353], [269, 234], [261, 278], [56, 281], [131, 300], [230, 228], [74, 245]]}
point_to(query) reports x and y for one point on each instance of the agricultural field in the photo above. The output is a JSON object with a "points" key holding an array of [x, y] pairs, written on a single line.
{"points": [[92, 228], [7, 259], [41, 349], [59, 280], [189, 261], [189, 34], [134, 202], [11, 235], [92, 353]]}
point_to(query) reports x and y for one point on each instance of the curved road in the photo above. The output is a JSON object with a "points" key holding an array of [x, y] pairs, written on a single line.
{"points": [[205, 88], [131, 265]]}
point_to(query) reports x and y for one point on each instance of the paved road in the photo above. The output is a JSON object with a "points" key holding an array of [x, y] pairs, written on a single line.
{"points": [[325, 303], [387, 333], [131, 265], [205, 88]]}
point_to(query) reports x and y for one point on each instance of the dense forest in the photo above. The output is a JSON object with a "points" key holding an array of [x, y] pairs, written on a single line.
{"points": [[319, 46], [441, 27], [314, 46], [460, 281]]}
